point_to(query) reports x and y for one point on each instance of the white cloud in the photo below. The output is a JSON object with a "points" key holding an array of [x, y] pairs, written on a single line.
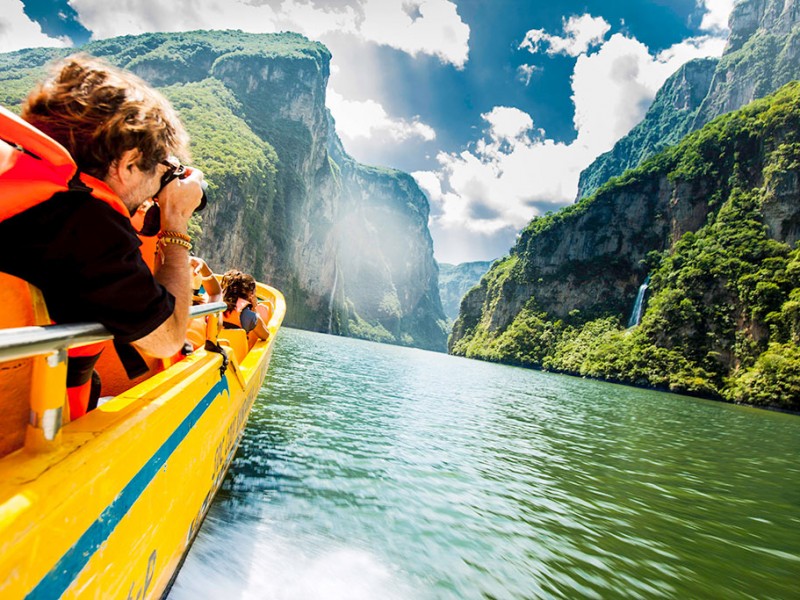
{"points": [[580, 34], [509, 176], [18, 31], [436, 30], [368, 119], [613, 88], [514, 172], [433, 27], [123, 17], [315, 22], [507, 124], [717, 12], [430, 183], [525, 72]]}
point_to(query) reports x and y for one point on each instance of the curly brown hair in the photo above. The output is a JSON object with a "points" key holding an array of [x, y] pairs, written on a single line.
{"points": [[98, 112], [235, 285]]}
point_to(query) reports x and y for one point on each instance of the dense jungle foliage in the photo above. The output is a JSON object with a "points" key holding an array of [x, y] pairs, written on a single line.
{"points": [[723, 310]]}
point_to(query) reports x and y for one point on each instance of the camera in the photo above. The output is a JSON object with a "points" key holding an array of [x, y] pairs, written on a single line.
{"points": [[179, 171], [176, 170]]}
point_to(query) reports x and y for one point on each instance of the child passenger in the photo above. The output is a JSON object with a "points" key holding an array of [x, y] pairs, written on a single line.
{"points": [[244, 311]]}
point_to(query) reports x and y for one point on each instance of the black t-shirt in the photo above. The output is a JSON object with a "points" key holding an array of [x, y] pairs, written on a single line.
{"points": [[85, 257]]}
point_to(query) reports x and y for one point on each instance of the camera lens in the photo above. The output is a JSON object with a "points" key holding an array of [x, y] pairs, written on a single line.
{"points": [[204, 199]]}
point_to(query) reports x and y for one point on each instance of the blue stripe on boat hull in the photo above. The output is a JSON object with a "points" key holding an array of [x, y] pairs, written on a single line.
{"points": [[56, 582]]}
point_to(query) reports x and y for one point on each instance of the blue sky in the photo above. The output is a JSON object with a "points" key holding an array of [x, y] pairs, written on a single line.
{"points": [[495, 106]]}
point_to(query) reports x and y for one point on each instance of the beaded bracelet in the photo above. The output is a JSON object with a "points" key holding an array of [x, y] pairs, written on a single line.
{"points": [[174, 234], [162, 243], [173, 240]]}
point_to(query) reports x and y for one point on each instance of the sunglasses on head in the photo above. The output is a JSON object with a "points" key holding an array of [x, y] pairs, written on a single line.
{"points": [[175, 170]]}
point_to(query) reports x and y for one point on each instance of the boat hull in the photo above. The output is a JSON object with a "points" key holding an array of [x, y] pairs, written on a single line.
{"points": [[111, 512]]}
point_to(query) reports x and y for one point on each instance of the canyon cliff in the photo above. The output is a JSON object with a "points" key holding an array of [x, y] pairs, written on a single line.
{"points": [[762, 54], [714, 221], [457, 280]]}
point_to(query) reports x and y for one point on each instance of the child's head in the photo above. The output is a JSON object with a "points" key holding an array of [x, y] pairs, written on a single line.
{"points": [[235, 285]]}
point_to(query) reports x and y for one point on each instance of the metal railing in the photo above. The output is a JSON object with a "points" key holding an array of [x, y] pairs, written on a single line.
{"points": [[25, 342]]}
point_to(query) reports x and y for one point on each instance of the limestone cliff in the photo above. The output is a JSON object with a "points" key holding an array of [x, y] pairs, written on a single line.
{"points": [[762, 54], [457, 280], [669, 118], [386, 288], [347, 244], [715, 220]]}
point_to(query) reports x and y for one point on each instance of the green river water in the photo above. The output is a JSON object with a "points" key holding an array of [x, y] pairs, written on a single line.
{"points": [[370, 471]]}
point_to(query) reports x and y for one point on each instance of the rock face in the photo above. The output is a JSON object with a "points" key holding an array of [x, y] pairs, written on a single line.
{"points": [[762, 54], [669, 118], [715, 219], [457, 280], [347, 244], [385, 287], [590, 260]]}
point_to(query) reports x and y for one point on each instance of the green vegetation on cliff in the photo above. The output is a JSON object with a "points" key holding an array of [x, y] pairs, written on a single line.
{"points": [[723, 311], [232, 156], [763, 54]]}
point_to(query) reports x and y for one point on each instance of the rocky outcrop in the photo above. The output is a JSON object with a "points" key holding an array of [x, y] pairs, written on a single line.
{"points": [[387, 288], [590, 262], [762, 54], [457, 280], [347, 244]]}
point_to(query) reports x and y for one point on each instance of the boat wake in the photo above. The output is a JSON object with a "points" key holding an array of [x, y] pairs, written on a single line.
{"points": [[260, 562]]}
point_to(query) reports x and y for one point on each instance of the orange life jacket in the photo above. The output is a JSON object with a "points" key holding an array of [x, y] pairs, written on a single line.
{"points": [[33, 167]]}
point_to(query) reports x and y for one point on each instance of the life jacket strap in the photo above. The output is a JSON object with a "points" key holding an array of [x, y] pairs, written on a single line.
{"points": [[214, 347], [133, 363]]}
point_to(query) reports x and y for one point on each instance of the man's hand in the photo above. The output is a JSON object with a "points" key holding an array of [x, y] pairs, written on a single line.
{"points": [[179, 199]]}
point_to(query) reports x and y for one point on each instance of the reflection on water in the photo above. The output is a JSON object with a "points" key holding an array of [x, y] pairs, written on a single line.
{"points": [[371, 471]]}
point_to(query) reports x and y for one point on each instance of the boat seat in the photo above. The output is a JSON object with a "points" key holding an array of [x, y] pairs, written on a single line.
{"points": [[237, 340], [265, 310], [196, 333], [114, 379], [21, 305]]}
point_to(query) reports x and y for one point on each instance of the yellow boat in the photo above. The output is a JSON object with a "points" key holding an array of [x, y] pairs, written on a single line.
{"points": [[106, 506]]}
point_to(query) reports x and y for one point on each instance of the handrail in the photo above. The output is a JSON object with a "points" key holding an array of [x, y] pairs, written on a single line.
{"points": [[24, 342], [201, 310]]}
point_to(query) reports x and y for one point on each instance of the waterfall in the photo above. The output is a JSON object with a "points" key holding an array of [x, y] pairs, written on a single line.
{"points": [[333, 295], [638, 306]]}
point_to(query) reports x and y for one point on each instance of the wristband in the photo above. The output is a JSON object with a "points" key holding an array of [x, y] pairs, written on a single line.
{"points": [[174, 234], [177, 241], [163, 241]]}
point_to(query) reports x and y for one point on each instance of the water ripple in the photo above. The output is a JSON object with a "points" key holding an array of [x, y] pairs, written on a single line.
{"points": [[372, 471]]}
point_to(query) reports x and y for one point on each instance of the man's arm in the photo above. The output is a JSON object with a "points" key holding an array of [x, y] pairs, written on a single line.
{"points": [[178, 201], [169, 337]]}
